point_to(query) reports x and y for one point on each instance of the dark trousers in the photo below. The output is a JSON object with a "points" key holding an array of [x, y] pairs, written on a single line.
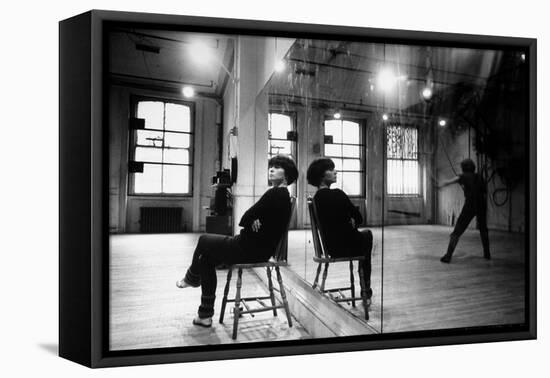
{"points": [[466, 215], [360, 245], [211, 250]]}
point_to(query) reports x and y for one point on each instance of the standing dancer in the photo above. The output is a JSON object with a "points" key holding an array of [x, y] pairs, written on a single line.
{"points": [[475, 204], [264, 224]]}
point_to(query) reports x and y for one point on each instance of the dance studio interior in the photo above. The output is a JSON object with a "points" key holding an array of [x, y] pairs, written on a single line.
{"points": [[193, 120]]}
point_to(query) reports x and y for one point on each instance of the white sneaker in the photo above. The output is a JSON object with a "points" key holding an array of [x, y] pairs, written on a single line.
{"points": [[203, 322], [182, 284]]}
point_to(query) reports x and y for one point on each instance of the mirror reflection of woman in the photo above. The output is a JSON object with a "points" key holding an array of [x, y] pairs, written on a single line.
{"points": [[263, 226], [339, 218]]}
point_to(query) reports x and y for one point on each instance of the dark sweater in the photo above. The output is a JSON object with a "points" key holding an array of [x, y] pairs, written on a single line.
{"points": [[273, 211], [335, 211], [474, 189]]}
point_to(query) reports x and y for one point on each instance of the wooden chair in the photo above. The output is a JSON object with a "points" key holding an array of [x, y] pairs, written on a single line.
{"points": [[279, 259], [321, 256]]}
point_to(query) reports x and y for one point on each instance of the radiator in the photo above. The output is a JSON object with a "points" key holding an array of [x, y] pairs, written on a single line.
{"points": [[160, 219]]}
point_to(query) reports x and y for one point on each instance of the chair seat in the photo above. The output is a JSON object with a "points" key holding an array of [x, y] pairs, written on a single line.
{"points": [[337, 259], [260, 264]]}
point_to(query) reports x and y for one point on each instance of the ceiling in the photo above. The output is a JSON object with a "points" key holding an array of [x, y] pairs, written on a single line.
{"points": [[331, 73]]}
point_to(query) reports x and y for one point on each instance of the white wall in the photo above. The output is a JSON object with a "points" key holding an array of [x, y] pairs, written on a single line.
{"points": [[29, 287]]}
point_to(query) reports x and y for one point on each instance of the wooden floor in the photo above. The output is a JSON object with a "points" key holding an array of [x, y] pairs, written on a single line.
{"points": [[418, 292], [147, 310]]}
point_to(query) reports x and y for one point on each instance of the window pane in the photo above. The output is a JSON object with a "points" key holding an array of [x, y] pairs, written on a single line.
{"points": [[350, 151], [178, 117], [148, 154], [333, 149], [152, 112], [352, 165], [334, 128], [410, 177], [279, 125], [351, 183], [149, 138], [409, 143], [350, 132], [337, 164], [176, 179], [148, 181], [176, 156], [280, 147], [395, 174], [394, 142], [177, 140]]}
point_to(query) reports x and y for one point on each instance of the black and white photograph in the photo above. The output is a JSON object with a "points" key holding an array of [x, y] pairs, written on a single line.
{"points": [[266, 188], [278, 189]]}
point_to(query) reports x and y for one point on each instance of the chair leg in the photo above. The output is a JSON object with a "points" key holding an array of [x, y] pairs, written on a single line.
{"points": [[352, 283], [317, 276], [225, 293], [325, 272], [364, 298], [283, 295], [270, 285], [237, 309]]}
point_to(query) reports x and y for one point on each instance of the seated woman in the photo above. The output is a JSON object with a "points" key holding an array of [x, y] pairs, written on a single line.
{"points": [[339, 218], [263, 226]]}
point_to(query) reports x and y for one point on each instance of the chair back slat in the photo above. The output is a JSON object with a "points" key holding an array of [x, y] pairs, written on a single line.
{"points": [[318, 244], [281, 251]]}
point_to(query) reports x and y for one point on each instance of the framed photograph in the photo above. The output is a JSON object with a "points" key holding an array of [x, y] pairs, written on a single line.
{"points": [[235, 188]]}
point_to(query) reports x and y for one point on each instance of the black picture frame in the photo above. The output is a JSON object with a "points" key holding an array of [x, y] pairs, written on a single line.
{"points": [[83, 196]]}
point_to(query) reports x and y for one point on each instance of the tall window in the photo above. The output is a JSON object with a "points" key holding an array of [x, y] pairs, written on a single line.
{"points": [[279, 125], [161, 149], [344, 145], [402, 161], [279, 141]]}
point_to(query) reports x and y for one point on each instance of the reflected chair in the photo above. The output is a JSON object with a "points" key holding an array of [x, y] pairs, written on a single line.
{"points": [[241, 306], [322, 256]]}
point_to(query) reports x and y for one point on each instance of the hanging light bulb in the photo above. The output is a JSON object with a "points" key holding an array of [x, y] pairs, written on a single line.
{"points": [[280, 66], [442, 123], [386, 79], [385, 117], [427, 93], [337, 115], [188, 91]]}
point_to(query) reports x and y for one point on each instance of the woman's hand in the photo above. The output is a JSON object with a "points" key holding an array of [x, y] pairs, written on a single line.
{"points": [[256, 224]]}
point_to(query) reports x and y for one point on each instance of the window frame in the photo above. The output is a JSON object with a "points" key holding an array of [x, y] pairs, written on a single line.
{"points": [[132, 144], [362, 150], [419, 176], [294, 143]]}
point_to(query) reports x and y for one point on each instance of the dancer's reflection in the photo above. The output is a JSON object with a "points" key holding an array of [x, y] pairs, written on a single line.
{"points": [[475, 204], [339, 218], [263, 225]]}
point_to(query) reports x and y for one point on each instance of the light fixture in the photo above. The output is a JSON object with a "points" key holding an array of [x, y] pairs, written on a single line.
{"points": [[442, 123], [427, 93], [280, 66], [386, 79], [200, 52], [188, 91], [337, 115], [385, 117], [523, 57]]}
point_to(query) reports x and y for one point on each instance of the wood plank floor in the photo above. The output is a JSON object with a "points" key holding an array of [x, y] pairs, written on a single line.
{"points": [[147, 310], [420, 292]]}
